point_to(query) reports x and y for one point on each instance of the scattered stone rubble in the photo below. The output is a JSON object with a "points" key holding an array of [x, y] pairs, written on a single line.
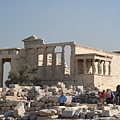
{"points": [[45, 103]]}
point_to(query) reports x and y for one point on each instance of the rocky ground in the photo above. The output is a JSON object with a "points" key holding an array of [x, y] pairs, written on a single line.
{"points": [[82, 103]]}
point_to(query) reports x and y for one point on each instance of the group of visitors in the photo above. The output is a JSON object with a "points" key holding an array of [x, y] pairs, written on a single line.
{"points": [[110, 97], [62, 100], [105, 96]]}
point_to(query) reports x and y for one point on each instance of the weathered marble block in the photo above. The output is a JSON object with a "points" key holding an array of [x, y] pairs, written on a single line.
{"points": [[19, 110], [109, 113], [53, 98], [47, 112], [44, 99], [68, 113], [40, 104]]}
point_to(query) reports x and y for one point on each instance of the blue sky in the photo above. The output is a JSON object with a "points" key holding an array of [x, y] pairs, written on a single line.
{"points": [[92, 23]]}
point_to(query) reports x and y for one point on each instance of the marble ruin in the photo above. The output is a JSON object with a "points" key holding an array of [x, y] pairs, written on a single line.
{"points": [[81, 104], [87, 66]]}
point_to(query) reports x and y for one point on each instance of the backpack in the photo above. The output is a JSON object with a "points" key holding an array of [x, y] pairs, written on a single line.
{"points": [[112, 95], [26, 104]]}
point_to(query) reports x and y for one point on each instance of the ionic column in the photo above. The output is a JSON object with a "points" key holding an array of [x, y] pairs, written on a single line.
{"points": [[63, 61], [44, 62], [93, 67], [85, 67], [104, 68], [72, 62], [1, 73], [109, 68], [36, 57], [53, 62], [13, 64]]}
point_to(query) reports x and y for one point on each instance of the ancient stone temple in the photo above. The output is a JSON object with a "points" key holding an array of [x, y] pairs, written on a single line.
{"points": [[87, 66]]}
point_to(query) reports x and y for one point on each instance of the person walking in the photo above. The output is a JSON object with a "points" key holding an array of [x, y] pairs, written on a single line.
{"points": [[109, 97], [28, 105], [62, 99], [117, 95], [102, 97], [118, 91]]}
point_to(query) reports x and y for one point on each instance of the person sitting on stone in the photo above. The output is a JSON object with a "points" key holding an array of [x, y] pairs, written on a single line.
{"points": [[62, 99]]}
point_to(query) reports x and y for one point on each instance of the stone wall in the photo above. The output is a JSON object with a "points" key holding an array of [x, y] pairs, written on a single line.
{"points": [[52, 65], [102, 81]]}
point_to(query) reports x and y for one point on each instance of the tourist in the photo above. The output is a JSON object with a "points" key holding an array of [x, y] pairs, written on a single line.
{"points": [[102, 97], [62, 99], [117, 95], [28, 105], [110, 97]]}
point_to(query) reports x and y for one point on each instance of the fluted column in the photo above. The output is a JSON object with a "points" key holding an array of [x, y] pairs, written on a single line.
{"points": [[93, 67], [13, 64], [36, 57], [63, 61], [85, 67], [1, 73], [53, 62], [44, 62], [72, 62]]}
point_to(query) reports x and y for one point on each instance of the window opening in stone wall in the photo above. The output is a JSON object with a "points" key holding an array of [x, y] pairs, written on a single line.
{"points": [[6, 70], [67, 59], [49, 59], [58, 59], [80, 66], [58, 51], [40, 60]]}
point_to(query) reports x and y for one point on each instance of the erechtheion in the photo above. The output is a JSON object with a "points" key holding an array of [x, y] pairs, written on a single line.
{"points": [[88, 66]]}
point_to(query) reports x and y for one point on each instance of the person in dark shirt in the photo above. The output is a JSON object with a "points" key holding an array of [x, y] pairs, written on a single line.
{"points": [[110, 97], [117, 95]]}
